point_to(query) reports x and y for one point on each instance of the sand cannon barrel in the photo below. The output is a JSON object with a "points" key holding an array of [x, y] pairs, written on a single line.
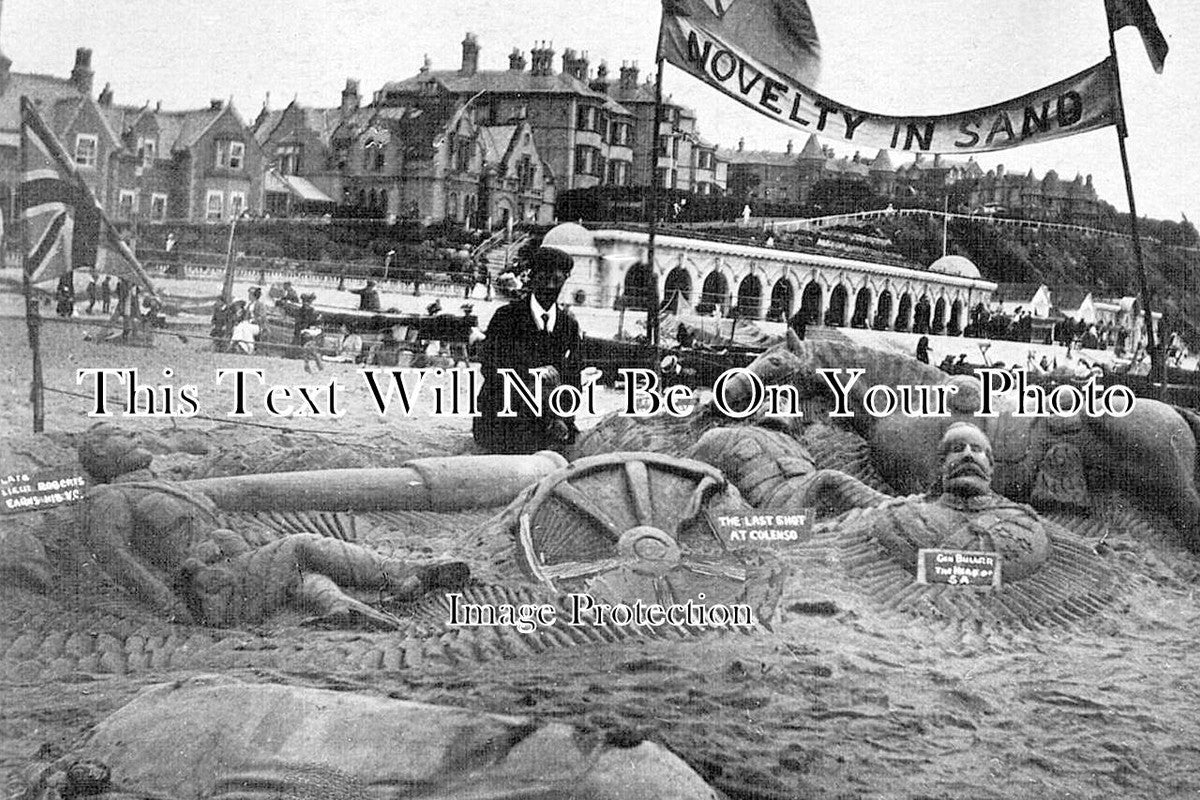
{"points": [[447, 483]]}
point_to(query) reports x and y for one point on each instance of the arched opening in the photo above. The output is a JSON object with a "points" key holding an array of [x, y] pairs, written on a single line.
{"points": [[977, 325], [749, 297], [836, 315], [678, 288], [637, 288], [782, 300], [882, 312], [810, 303], [954, 324], [922, 316], [714, 293], [904, 313], [862, 307], [938, 325]]}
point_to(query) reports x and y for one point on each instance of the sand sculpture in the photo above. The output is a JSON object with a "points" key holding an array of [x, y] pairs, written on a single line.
{"points": [[1052, 462], [868, 541], [214, 737], [167, 546], [166, 543]]}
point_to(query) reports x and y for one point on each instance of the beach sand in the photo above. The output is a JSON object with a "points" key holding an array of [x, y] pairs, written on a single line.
{"points": [[837, 700]]}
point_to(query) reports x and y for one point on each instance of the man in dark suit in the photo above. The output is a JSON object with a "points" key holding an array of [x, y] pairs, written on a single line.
{"points": [[530, 336]]}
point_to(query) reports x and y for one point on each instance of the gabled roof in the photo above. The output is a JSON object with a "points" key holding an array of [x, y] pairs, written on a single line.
{"points": [[43, 90], [321, 121], [496, 141], [812, 149], [882, 163]]}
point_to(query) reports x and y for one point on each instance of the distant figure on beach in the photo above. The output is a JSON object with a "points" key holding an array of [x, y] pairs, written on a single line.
{"points": [[92, 292], [350, 346], [65, 295], [106, 294], [368, 297], [923, 349], [531, 336]]}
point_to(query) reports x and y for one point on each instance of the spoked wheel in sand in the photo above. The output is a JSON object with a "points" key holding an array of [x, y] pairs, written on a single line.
{"points": [[632, 526]]}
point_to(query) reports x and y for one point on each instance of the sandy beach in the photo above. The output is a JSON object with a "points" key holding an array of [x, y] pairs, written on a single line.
{"points": [[839, 698]]}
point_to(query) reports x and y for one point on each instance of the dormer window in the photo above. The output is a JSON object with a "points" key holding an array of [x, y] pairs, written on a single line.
{"points": [[147, 151], [86, 147]]}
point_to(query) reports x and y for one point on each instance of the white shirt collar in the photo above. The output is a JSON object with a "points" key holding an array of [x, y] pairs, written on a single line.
{"points": [[536, 309]]}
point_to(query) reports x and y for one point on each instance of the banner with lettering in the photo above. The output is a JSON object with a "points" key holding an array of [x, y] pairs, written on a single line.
{"points": [[698, 38]]}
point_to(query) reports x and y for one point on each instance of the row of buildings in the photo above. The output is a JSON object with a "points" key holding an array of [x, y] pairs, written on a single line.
{"points": [[468, 145], [789, 177], [477, 147]]}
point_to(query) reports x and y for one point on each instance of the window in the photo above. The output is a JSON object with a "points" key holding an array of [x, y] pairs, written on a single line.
{"points": [[663, 146], [620, 134], [705, 160], [289, 158], [158, 207], [237, 154], [380, 160], [618, 173], [126, 204], [525, 172], [588, 161], [586, 118], [86, 146], [214, 206], [237, 204], [462, 154], [231, 155], [147, 148]]}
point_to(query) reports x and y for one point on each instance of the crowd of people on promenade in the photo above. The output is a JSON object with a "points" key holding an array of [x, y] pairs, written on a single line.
{"points": [[130, 311]]}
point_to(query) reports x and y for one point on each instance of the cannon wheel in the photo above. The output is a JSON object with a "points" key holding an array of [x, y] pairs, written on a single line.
{"points": [[630, 526]]}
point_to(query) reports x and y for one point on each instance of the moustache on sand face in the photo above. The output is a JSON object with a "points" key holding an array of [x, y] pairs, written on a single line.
{"points": [[970, 467]]}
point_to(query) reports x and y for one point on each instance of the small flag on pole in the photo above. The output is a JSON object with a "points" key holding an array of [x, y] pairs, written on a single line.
{"points": [[1139, 14], [65, 228]]}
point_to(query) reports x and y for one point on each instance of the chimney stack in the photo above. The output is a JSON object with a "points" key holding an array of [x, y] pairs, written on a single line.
{"points": [[81, 75], [470, 55], [600, 84], [575, 65], [106, 96], [629, 76], [741, 144], [516, 61], [542, 59], [350, 97], [215, 104], [789, 147]]}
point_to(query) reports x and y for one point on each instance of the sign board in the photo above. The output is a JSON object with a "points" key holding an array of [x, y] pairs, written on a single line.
{"points": [[763, 528], [958, 567], [39, 490]]}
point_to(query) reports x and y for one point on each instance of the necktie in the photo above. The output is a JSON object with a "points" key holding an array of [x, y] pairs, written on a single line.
{"points": [[546, 322]]}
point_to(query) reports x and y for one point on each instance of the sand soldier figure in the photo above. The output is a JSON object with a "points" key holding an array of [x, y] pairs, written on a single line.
{"points": [[527, 338]]}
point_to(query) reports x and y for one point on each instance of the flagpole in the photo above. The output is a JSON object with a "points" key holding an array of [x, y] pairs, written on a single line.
{"points": [[227, 284], [33, 319], [1158, 361], [652, 273]]}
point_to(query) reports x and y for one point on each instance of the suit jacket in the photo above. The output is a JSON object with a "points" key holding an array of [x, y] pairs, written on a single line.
{"points": [[514, 341]]}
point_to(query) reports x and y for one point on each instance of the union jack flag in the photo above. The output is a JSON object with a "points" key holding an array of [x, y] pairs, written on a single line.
{"points": [[65, 228]]}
